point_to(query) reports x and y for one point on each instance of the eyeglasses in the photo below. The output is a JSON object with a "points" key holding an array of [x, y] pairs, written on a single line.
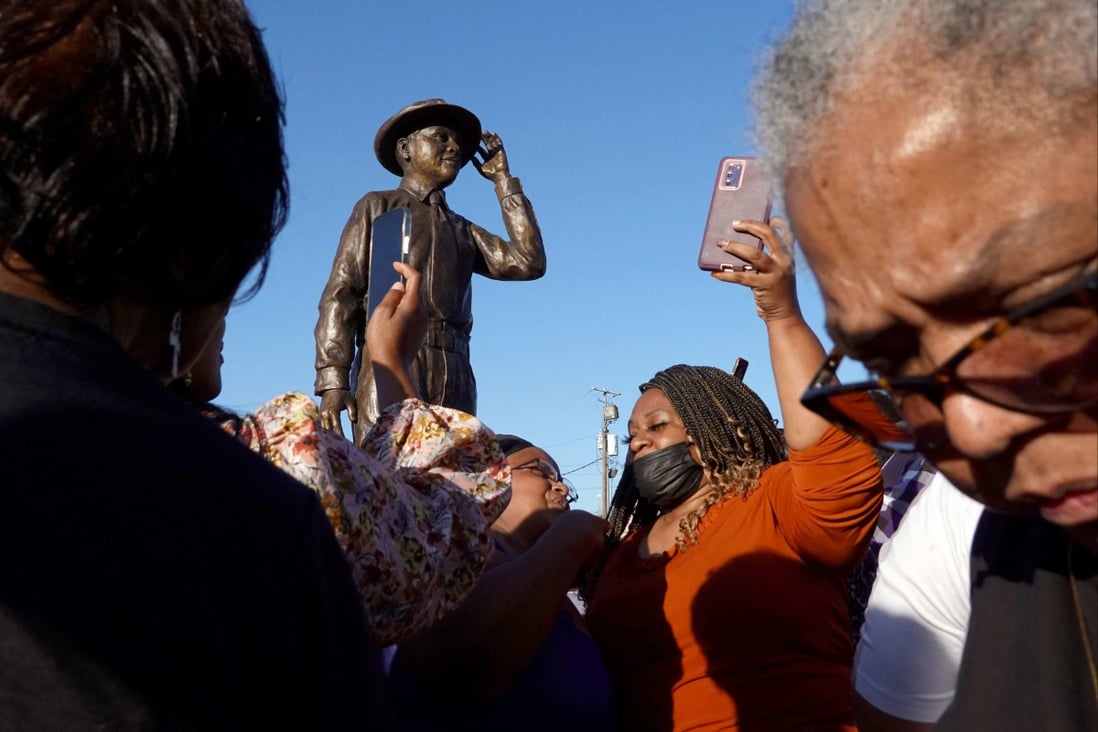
{"points": [[1041, 358], [547, 471]]}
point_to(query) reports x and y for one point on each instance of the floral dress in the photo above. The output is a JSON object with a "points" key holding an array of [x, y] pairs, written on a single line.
{"points": [[410, 509]]}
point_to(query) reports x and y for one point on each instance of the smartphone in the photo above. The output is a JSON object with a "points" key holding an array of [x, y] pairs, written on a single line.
{"points": [[741, 192], [390, 237]]}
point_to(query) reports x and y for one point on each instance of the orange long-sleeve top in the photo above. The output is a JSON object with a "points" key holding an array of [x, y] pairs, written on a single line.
{"points": [[749, 627]]}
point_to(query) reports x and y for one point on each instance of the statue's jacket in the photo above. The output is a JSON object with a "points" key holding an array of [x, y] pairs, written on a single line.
{"points": [[447, 249]]}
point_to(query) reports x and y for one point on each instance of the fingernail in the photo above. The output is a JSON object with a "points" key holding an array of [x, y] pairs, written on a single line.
{"points": [[737, 222]]}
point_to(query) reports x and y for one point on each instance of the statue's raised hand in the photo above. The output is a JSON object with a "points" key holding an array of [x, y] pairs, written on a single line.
{"points": [[491, 159]]}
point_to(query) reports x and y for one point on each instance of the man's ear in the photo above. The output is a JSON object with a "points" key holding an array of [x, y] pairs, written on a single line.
{"points": [[402, 151]]}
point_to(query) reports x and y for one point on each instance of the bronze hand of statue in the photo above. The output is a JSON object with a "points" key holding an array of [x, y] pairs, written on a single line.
{"points": [[332, 402], [491, 159]]}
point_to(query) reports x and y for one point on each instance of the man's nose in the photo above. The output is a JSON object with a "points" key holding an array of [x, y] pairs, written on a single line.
{"points": [[981, 431]]}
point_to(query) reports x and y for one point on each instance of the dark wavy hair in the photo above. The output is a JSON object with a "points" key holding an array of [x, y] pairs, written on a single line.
{"points": [[141, 148]]}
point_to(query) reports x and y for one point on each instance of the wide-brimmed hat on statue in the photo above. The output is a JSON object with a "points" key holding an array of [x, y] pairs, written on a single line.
{"points": [[418, 115]]}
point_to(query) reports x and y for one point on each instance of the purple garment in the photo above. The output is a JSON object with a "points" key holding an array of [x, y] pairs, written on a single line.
{"points": [[905, 475], [565, 687]]}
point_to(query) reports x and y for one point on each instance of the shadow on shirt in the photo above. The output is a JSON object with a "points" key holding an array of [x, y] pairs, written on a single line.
{"points": [[774, 636]]}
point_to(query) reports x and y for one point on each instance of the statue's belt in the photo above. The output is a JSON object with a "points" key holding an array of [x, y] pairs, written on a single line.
{"points": [[442, 336]]}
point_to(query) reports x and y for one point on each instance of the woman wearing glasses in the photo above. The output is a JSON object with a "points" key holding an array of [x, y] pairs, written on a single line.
{"points": [[411, 507], [721, 603], [516, 654]]}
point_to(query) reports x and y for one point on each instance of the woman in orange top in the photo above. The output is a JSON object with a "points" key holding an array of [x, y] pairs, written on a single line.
{"points": [[721, 602]]}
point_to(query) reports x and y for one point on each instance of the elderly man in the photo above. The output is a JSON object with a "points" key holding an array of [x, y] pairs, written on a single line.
{"points": [[939, 160], [426, 143]]}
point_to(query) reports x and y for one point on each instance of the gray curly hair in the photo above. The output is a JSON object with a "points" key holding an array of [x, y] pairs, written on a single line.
{"points": [[1012, 62]]}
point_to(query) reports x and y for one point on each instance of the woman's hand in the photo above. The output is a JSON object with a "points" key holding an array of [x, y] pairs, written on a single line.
{"points": [[579, 534], [795, 352], [771, 277], [393, 336]]}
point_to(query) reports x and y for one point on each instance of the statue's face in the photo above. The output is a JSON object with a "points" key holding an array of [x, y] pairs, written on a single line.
{"points": [[432, 154]]}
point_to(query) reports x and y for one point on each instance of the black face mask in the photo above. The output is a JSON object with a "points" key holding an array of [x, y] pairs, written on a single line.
{"points": [[667, 477]]}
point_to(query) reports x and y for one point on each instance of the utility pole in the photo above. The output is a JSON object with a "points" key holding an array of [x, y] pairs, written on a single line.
{"points": [[607, 442]]}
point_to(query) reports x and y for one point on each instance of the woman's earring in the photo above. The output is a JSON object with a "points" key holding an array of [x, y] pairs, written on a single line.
{"points": [[175, 341]]}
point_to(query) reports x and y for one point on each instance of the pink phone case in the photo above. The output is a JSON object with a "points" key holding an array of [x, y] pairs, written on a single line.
{"points": [[740, 192]]}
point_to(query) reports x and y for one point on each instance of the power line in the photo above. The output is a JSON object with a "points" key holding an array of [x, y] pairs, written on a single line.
{"points": [[569, 442], [585, 465]]}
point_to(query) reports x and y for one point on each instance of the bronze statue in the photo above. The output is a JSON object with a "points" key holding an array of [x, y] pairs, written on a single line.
{"points": [[426, 144]]}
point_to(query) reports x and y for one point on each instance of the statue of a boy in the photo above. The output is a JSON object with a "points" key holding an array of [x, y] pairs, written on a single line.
{"points": [[426, 144]]}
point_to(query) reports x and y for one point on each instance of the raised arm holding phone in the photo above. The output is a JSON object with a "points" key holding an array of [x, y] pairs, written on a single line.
{"points": [[721, 601]]}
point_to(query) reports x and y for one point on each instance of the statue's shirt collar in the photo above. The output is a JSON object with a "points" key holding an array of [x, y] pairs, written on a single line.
{"points": [[422, 193]]}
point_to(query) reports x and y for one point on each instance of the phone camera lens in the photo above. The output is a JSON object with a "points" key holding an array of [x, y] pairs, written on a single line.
{"points": [[734, 175]]}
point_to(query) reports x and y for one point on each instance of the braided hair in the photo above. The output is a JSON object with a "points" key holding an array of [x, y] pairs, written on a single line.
{"points": [[734, 432]]}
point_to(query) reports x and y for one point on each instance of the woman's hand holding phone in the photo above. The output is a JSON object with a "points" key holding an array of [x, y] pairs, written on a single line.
{"points": [[741, 192], [394, 335], [795, 352], [771, 274]]}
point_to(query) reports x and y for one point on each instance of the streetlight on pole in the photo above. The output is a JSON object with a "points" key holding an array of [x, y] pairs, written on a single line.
{"points": [[607, 442]]}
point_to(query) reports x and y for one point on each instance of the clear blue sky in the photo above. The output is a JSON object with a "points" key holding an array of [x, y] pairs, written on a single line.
{"points": [[615, 116]]}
